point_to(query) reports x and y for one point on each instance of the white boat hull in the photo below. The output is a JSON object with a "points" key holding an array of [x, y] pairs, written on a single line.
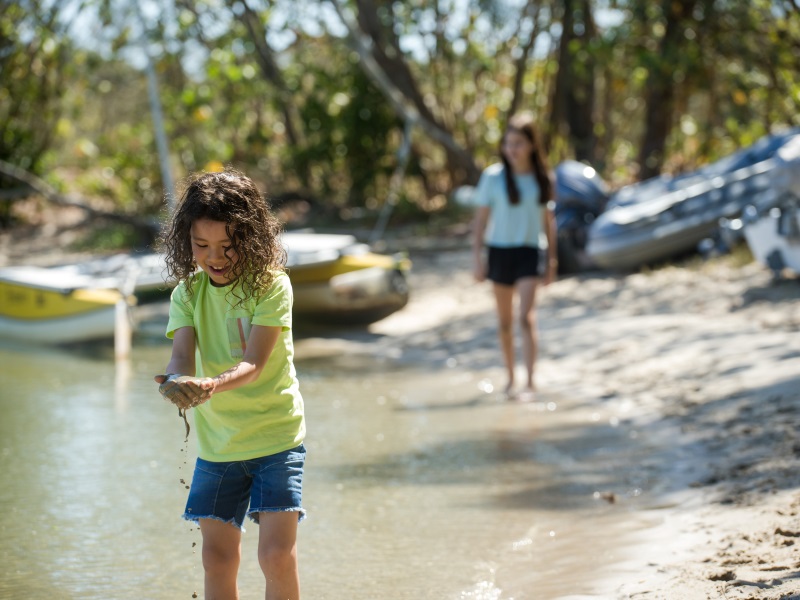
{"points": [[84, 327], [335, 280], [40, 305], [770, 245], [362, 296]]}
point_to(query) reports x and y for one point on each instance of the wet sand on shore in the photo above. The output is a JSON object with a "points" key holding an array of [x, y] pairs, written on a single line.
{"points": [[698, 366]]}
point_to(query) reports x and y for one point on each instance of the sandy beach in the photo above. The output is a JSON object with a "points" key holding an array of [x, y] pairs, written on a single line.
{"points": [[703, 365], [698, 366]]}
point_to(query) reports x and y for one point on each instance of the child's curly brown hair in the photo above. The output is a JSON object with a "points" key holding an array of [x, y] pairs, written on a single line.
{"points": [[231, 198]]}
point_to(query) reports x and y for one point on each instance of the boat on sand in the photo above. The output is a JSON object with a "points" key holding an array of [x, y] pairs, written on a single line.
{"points": [[773, 236], [336, 281], [665, 217], [39, 306]]}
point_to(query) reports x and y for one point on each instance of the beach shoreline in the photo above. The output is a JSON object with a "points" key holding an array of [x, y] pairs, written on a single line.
{"points": [[697, 367]]}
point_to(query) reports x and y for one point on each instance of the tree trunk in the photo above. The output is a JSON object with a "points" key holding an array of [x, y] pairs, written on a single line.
{"points": [[272, 73], [660, 89], [383, 62], [145, 227], [521, 64], [563, 78], [581, 96], [574, 94]]}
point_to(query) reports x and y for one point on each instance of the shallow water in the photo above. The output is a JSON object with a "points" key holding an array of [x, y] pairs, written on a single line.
{"points": [[420, 483]]}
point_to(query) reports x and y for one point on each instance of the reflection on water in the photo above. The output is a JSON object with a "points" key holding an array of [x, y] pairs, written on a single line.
{"points": [[420, 484]]}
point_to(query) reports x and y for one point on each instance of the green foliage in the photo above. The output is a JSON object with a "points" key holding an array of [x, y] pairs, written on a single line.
{"points": [[33, 58], [291, 105], [348, 130], [104, 146], [108, 238], [735, 74], [34, 62]]}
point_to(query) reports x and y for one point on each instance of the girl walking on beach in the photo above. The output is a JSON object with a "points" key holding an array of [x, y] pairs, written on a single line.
{"points": [[232, 361], [515, 221]]}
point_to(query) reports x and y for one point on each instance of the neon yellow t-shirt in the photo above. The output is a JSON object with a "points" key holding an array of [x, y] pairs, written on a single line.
{"points": [[261, 418]]}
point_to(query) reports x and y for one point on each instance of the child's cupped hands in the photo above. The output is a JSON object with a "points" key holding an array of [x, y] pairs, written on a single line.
{"points": [[185, 391]]}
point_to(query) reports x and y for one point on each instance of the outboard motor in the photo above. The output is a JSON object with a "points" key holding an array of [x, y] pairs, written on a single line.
{"points": [[581, 195]]}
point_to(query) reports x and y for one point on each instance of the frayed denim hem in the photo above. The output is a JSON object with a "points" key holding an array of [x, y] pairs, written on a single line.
{"points": [[196, 519], [253, 512]]}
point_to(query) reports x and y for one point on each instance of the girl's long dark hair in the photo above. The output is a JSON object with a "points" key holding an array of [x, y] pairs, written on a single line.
{"points": [[231, 198], [524, 123]]}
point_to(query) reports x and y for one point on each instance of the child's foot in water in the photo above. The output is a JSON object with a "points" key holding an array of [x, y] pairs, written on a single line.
{"points": [[527, 395]]}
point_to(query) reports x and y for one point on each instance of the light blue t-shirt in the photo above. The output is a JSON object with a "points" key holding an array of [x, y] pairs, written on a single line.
{"points": [[511, 225]]}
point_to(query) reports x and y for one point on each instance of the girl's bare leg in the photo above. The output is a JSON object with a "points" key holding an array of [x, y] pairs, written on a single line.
{"points": [[504, 298], [222, 553], [527, 317], [277, 554]]}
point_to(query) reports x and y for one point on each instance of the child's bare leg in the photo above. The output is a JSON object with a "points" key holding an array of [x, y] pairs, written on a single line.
{"points": [[527, 315], [504, 299], [222, 553], [277, 554]]}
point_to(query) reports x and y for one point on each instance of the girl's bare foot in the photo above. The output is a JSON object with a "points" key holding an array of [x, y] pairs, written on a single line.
{"points": [[511, 393], [527, 395]]}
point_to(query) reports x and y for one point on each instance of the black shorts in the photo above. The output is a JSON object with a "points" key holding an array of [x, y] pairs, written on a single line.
{"points": [[507, 265]]}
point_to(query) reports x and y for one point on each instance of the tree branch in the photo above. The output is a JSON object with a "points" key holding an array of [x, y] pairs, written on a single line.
{"points": [[406, 107], [531, 10], [272, 73], [41, 187]]}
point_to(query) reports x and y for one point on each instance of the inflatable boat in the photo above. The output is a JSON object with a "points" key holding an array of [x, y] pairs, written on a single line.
{"points": [[664, 217]]}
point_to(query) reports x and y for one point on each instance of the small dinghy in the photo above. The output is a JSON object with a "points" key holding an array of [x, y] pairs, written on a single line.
{"points": [[665, 217]]}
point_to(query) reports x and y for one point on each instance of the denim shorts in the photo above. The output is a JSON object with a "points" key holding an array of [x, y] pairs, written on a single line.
{"points": [[507, 265], [224, 490]]}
